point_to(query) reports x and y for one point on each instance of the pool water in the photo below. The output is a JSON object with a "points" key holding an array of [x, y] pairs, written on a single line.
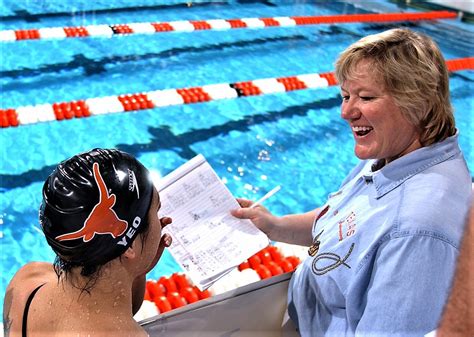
{"points": [[296, 139]]}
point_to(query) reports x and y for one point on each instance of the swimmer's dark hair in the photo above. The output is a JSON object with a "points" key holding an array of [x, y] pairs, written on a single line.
{"points": [[91, 271]]}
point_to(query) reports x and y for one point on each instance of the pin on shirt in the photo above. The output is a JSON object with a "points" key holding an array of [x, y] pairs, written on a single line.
{"points": [[314, 248]]}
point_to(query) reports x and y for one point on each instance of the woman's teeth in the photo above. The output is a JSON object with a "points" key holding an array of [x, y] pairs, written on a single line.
{"points": [[361, 130]]}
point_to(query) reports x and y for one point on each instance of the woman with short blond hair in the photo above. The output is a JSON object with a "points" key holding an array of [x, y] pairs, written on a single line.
{"points": [[383, 247]]}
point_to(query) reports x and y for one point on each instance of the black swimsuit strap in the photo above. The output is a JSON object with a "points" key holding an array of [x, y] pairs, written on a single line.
{"points": [[27, 308]]}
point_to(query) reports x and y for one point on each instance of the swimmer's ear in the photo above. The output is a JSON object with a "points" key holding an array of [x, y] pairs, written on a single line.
{"points": [[134, 249], [130, 253]]}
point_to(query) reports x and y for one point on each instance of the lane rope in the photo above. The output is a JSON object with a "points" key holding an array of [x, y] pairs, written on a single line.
{"points": [[47, 112], [125, 29]]}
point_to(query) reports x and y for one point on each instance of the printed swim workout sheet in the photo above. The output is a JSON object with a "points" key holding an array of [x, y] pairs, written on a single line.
{"points": [[208, 241]]}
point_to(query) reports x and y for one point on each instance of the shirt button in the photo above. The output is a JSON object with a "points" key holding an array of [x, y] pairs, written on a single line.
{"points": [[335, 212]]}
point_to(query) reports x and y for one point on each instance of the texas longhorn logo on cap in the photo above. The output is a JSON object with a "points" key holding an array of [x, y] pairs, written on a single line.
{"points": [[102, 219]]}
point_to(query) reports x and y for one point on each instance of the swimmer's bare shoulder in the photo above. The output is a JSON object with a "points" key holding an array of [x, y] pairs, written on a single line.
{"points": [[26, 279]]}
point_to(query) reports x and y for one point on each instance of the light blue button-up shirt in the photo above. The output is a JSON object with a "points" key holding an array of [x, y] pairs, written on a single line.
{"points": [[388, 246]]}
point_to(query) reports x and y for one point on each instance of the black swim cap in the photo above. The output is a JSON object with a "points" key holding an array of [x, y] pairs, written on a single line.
{"points": [[94, 205]]}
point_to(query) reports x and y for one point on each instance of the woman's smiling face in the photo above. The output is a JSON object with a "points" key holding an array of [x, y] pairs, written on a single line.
{"points": [[379, 128]]}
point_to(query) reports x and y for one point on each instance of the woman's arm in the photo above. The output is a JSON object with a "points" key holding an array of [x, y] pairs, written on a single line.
{"points": [[458, 317]]}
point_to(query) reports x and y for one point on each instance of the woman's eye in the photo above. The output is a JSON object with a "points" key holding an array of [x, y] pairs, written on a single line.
{"points": [[366, 98], [345, 98]]}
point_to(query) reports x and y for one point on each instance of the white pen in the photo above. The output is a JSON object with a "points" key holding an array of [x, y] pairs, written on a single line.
{"points": [[266, 196]]}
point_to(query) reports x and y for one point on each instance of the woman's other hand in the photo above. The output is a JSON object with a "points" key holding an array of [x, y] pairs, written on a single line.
{"points": [[259, 215], [293, 228]]}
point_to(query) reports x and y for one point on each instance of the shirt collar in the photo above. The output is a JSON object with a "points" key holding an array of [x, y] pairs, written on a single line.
{"points": [[396, 172]]}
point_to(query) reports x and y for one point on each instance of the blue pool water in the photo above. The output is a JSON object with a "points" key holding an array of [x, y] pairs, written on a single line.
{"points": [[296, 139]]}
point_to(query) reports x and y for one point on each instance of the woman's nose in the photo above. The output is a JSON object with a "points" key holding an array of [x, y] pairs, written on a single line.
{"points": [[349, 109]]}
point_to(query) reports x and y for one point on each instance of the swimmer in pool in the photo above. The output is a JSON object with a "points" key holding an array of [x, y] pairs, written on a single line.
{"points": [[100, 216]]}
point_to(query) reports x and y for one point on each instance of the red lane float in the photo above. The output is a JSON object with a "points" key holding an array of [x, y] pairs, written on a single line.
{"points": [[214, 24], [140, 101], [177, 290]]}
